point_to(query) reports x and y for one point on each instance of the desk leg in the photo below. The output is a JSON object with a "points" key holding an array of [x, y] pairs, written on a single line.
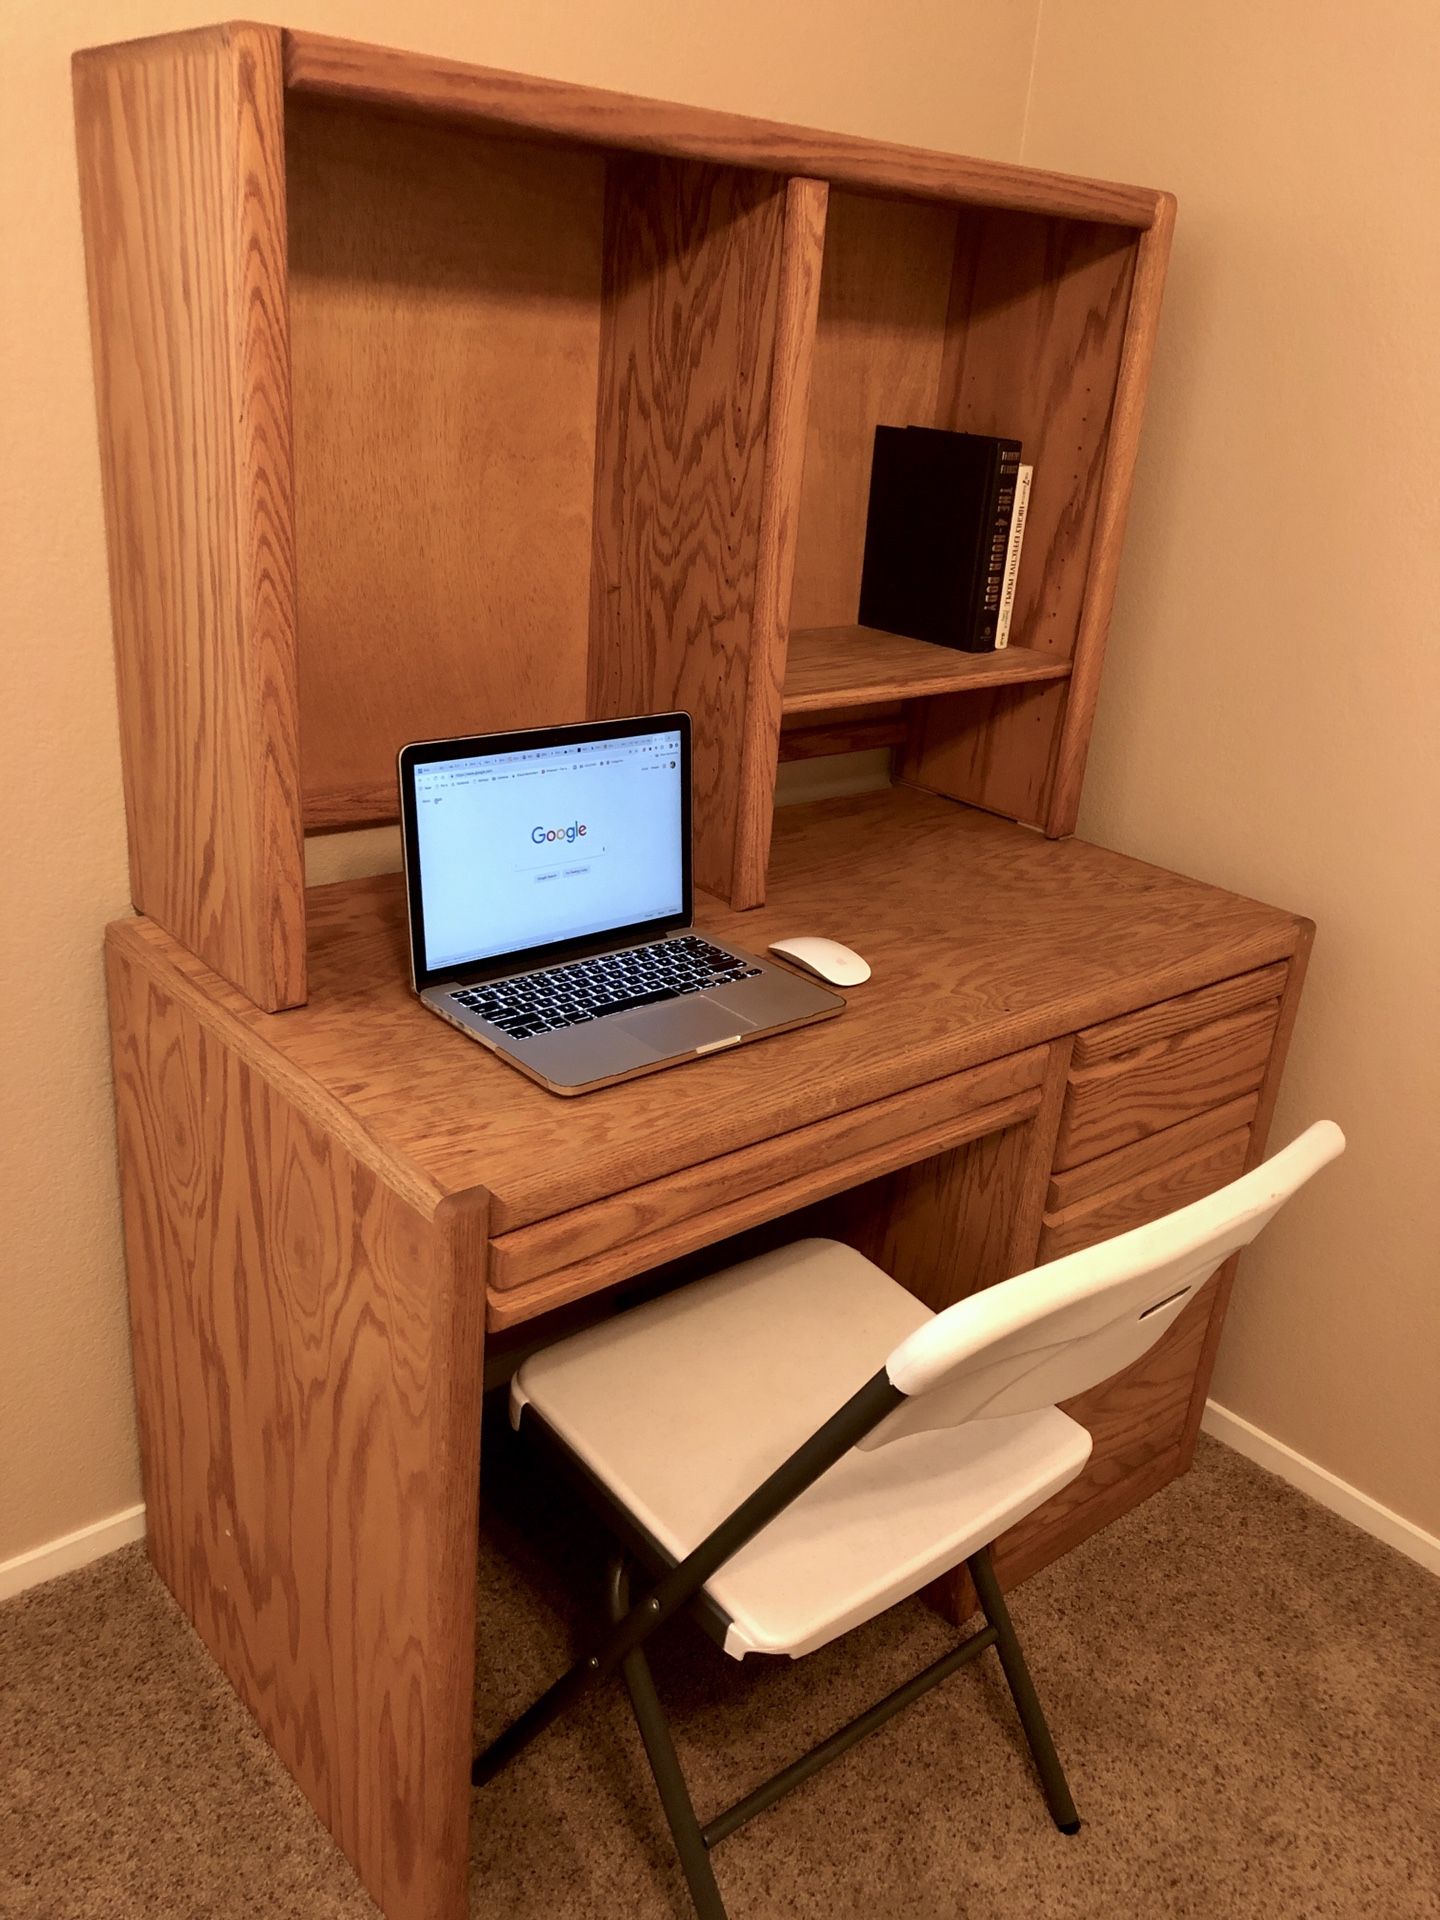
{"points": [[307, 1368]]}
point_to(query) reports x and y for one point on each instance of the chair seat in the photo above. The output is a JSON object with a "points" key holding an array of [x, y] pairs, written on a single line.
{"points": [[681, 1407]]}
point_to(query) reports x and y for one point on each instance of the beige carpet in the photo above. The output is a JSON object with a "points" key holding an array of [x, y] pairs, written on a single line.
{"points": [[1245, 1690]]}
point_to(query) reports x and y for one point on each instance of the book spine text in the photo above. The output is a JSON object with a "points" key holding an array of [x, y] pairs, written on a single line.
{"points": [[1024, 475]]}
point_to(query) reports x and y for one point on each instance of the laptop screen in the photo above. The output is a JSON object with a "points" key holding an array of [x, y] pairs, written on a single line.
{"points": [[521, 844]]}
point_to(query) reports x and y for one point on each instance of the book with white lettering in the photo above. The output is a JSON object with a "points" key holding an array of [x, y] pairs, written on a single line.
{"points": [[1012, 555]]}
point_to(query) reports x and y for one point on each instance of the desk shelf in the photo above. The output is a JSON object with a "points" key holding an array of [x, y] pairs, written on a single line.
{"points": [[833, 667]]}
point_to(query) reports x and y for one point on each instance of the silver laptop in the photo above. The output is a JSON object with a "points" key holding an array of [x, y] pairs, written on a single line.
{"points": [[548, 880]]}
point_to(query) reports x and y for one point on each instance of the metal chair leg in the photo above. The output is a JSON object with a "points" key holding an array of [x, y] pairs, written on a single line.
{"points": [[1022, 1689], [664, 1762]]}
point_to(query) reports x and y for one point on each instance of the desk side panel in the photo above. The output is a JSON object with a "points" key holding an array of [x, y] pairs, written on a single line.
{"points": [[307, 1364]]}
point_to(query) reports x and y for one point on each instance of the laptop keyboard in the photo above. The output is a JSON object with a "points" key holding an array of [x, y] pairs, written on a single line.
{"points": [[611, 983]]}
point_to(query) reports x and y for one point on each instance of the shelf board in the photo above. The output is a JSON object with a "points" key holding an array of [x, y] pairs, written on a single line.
{"points": [[830, 667]]}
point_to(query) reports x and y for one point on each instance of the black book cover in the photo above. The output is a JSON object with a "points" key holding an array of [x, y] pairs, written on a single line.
{"points": [[935, 536]]}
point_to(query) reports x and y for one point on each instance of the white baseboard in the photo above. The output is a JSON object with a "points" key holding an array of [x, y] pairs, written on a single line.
{"points": [[78, 1549], [1322, 1486], [71, 1550]]}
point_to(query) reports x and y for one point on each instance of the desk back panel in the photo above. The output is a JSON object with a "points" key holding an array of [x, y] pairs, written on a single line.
{"points": [[533, 423], [879, 351], [445, 322]]}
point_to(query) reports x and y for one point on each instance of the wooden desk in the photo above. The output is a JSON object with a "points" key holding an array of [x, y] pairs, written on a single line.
{"points": [[433, 398], [325, 1207]]}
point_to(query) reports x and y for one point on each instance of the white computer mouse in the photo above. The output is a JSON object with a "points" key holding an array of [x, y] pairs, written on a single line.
{"points": [[827, 958]]}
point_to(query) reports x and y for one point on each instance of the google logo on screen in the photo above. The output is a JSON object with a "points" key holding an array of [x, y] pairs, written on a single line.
{"points": [[575, 831]]}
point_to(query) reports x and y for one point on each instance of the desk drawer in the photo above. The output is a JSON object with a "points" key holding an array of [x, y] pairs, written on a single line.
{"points": [[1133, 1199], [542, 1266], [1186, 1063]]}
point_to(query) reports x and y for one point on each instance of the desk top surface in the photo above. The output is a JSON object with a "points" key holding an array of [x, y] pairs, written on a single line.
{"points": [[983, 938]]}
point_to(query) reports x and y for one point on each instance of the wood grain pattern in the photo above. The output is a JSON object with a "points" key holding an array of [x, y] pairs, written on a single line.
{"points": [[1143, 1156], [422, 83], [742, 1210], [1186, 1011], [880, 337], [985, 940], [1145, 1196], [1137, 1415], [1122, 447], [530, 1252], [370, 803], [307, 1362], [995, 749], [830, 668], [946, 1227], [1118, 1101], [797, 300], [180, 148], [940, 1226], [692, 258], [1038, 319], [1027, 1212], [1259, 1141], [1035, 330], [1136, 1421], [445, 295], [852, 730]]}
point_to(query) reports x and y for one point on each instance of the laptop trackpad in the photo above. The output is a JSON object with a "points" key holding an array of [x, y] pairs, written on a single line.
{"points": [[679, 1026]]}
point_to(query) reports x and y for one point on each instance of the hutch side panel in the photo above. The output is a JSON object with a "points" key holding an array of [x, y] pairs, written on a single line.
{"points": [[183, 201]]}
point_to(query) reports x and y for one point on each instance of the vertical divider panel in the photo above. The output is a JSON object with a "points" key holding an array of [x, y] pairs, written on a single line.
{"points": [[181, 157], [689, 314], [801, 252]]}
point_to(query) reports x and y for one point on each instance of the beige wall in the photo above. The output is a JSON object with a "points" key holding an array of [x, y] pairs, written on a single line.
{"points": [[1253, 744], [940, 72], [1270, 716]]}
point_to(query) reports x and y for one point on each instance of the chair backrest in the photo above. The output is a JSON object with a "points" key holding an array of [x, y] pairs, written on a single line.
{"points": [[1051, 1333]]}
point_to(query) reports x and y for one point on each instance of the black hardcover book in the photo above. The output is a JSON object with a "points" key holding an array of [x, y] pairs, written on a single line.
{"points": [[935, 534]]}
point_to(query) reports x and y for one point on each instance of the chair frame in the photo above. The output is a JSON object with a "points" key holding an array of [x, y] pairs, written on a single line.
{"points": [[632, 1624]]}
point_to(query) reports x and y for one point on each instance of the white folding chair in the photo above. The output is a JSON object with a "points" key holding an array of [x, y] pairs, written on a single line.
{"points": [[749, 1456]]}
